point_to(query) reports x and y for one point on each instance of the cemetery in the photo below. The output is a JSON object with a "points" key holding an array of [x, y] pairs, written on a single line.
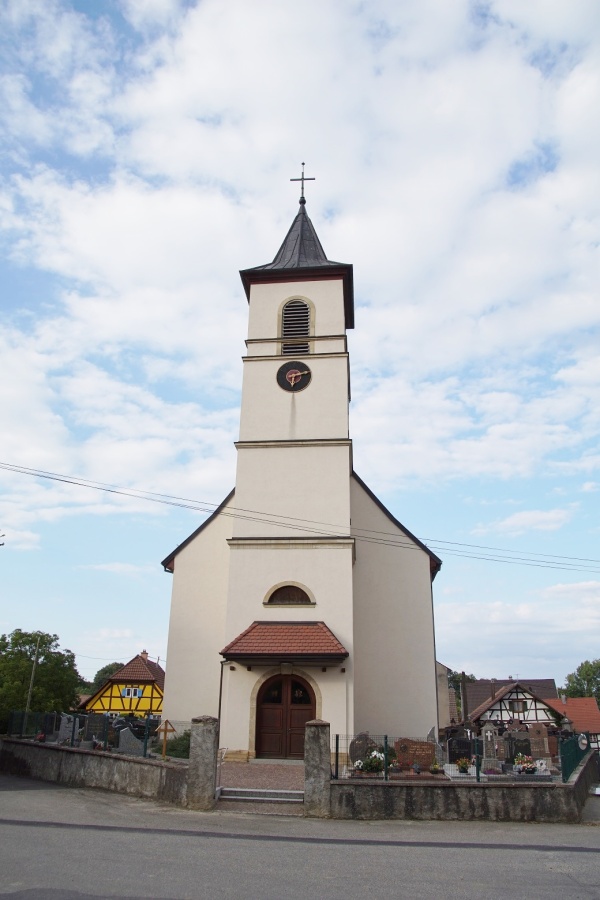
{"points": [[405, 778]]}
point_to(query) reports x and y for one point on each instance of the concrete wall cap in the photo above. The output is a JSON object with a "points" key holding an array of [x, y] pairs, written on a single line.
{"points": [[204, 720], [319, 722]]}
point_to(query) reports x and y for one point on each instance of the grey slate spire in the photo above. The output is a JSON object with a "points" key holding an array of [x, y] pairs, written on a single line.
{"points": [[302, 252], [301, 247]]}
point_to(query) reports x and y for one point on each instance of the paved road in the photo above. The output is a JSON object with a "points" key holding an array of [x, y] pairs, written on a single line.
{"points": [[58, 843]]}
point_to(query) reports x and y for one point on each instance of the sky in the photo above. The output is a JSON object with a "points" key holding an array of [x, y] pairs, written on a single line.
{"points": [[146, 153]]}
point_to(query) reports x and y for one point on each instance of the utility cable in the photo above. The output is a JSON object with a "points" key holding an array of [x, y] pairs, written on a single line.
{"points": [[452, 548]]}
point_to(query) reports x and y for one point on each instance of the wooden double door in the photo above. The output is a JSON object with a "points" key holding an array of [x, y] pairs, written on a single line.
{"points": [[285, 704]]}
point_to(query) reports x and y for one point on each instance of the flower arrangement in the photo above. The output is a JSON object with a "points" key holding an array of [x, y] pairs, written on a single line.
{"points": [[373, 762], [435, 767], [525, 763], [463, 764]]}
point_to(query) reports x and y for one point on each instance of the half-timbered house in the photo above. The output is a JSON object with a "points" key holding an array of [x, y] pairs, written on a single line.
{"points": [[135, 689], [514, 702]]}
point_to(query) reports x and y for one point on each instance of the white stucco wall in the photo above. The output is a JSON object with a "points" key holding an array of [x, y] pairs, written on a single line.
{"points": [[394, 646], [324, 569], [298, 490], [197, 623], [320, 411], [267, 300]]}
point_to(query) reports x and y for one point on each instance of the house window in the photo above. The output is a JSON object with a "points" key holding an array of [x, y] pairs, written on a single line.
{"points": [[289, 595], [517, 706], [132, 692], [295, 323]]}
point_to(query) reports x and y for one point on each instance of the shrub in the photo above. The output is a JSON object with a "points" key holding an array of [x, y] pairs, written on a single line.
{"points": [[179, 746]]}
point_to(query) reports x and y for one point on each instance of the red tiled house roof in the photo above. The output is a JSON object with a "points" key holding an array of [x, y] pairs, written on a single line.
{"points": [[507, 689], [582, 711], [140, 669], [481, 690], [286, 641]]}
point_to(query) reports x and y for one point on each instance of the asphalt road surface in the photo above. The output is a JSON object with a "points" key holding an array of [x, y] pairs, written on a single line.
{"points": [[60, 843]]}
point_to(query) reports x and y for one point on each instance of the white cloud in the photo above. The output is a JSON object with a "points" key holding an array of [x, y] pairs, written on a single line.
{"points": [[455, 147], [16, 539], [586, 593], [528, 520], [590, 487], [545, 635]]}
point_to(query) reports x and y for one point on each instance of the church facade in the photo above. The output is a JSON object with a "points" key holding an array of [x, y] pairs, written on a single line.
{"points": [[301, 596]]}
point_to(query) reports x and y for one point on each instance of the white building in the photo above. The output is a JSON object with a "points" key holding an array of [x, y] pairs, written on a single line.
{"points": [[301, 596]]}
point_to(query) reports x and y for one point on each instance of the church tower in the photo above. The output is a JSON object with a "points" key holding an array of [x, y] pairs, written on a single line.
{"points": [[288, 583]]}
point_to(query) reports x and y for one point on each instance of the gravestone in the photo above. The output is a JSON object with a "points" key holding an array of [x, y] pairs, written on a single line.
{"points": [[459, 748], [409, 751], [538, 736], [129, 744], [48, 724], [516, 741], [489, 739], [95, 727], [360, 745], [489, 734], [65, 730]]}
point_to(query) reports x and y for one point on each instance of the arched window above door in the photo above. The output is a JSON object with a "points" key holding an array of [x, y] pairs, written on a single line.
{"points": [[295, 324], [289, 595]]}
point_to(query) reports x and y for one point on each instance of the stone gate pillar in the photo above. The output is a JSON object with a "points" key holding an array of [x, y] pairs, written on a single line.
{"points": [[202, 771], [317, 769]]}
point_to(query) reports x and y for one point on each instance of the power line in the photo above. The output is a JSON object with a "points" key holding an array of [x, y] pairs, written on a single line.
{"points": [[451, 548]]}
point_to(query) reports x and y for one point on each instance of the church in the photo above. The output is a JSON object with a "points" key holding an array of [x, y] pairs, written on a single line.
{"points": [[301, 596]]}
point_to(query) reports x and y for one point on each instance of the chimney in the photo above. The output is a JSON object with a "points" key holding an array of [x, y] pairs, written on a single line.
{"points": [[493, 687], [144, 655], [463, 696]]}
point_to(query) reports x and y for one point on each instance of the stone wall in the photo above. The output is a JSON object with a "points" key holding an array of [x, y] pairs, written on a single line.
{"points": [[170, 783], [192, 785], [152, 779], [505, 802]]}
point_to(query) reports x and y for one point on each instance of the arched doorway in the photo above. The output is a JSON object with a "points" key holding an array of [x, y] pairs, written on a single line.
{"points": [[285, 704]]}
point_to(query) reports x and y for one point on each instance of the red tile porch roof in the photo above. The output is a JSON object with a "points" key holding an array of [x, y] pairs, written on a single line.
{"points": [[288, 641]]}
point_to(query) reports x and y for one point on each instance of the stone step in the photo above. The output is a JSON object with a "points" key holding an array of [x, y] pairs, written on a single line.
{"points": [[260, 795]]}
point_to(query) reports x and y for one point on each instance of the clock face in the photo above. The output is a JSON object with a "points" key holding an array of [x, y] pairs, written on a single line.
{"points": [[293, 376]]}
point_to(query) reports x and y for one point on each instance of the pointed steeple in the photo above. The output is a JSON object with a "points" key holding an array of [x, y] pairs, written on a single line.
{"points": [[301, 247], [301, 257]]}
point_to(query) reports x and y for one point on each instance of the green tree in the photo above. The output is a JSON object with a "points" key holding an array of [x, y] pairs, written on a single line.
{"points": [[454, 681], [103, 674], [56, 676], [84, 687], [585, 680]]}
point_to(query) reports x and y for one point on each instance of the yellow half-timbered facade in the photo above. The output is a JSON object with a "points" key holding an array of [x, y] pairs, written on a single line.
{"points": [[136, 689]]}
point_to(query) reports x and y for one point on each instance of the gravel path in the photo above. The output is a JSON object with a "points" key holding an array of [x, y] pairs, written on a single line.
{"points": [[269, 776]]}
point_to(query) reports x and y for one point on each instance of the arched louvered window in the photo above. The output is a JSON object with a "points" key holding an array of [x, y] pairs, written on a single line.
{"points": [[295, 324], [290, 595]]}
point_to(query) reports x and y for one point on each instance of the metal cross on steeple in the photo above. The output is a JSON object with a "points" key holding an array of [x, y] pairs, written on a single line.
{"points": [[302, 178]]}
